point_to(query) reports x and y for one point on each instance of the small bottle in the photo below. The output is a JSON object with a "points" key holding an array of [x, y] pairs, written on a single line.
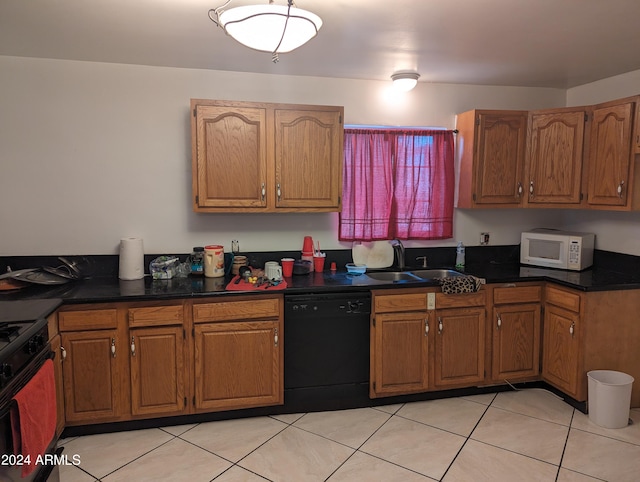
{"points": [[197, 261], [460, 255]]}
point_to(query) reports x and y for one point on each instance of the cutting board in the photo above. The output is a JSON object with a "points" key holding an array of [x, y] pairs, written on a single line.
{"points": [[375, 254]]}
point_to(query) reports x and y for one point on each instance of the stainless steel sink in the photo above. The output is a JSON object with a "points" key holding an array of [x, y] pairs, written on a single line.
{"points": [[434, 273], [415, 275], [393, 276]]}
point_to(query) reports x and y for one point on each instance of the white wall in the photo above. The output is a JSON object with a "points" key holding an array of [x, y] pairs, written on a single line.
{"points": [[91, 152], [615, 231]]}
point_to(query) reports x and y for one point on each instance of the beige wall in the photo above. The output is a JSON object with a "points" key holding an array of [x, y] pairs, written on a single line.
{"points": [[92, 152]]}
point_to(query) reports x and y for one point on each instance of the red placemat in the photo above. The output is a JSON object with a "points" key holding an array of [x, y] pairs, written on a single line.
{"points": [[243, 285]]}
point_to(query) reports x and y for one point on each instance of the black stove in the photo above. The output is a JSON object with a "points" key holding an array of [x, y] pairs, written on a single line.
{"points": [[24, 348], [23, 334]]}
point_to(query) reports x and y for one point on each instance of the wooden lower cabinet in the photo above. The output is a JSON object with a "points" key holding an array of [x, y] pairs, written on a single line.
{"points": [[237, 365], [127, 361], [416, 348], [91, 372], [399, 342], [515, 332], [561, 349], [57, 373], [157, 370], [238, 353], [459, 341], [400, 354]]}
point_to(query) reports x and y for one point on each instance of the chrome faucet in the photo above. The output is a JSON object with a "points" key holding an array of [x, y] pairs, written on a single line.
{"points": [[398, 247]]}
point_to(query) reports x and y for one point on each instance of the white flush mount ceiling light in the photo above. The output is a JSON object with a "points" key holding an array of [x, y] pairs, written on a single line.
{"points": [[268, 28], [405, 81]]}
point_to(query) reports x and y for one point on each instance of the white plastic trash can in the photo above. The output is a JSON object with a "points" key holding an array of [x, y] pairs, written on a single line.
{"points": [[609, 398]]}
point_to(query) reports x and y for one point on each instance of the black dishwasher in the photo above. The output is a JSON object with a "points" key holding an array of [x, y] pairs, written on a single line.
{"points": [[326, 350]]}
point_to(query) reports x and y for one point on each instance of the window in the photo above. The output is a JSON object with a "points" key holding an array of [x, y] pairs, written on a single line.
{"points": [[397, 183]]}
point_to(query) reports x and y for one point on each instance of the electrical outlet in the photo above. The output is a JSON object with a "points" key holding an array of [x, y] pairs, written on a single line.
{"points": [[484, 238], [431, 301]]}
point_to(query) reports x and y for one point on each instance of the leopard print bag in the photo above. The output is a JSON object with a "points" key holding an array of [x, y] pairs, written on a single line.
{"points": [[461, 284]]}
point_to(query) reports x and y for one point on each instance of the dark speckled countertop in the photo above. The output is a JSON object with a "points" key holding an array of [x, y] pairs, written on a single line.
{"points": [[108, 289], [611, 271]]}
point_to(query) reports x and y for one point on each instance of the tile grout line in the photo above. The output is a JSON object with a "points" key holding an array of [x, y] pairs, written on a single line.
{"points": [[468, 437], [139, 457], [566, 441], [391, 415]]}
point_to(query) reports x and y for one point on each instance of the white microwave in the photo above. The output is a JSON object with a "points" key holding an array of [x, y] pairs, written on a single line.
{"points": [[552, 248]]}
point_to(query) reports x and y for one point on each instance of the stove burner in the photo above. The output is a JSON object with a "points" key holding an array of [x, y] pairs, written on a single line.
{"points": [[8, 332]]}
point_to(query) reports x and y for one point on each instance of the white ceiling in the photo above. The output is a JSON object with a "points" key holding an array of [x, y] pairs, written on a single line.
{"points": [[535, 43]]}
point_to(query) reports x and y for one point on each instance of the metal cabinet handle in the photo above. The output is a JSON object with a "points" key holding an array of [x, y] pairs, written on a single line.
{"points": [[440, 325], [620, 186], [63, 354], [531, 188], [426, 326], [113, 347], [275, 337], [133, 346], [572, 329], [263, 191], [520, 189], [499, 322], [278, 191]]}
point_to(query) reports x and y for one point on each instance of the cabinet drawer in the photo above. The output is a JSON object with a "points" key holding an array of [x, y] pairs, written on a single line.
{"points": [[563, 299], [87, 320], [460, 300], [236, 310], [403, 302], [517, 294], [156, 315]]}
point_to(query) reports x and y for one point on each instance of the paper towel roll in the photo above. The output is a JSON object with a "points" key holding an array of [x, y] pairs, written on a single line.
{"points": [[131, 259]]}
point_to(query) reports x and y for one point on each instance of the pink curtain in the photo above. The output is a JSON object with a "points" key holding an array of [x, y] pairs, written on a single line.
{"points": [[397, 183]]}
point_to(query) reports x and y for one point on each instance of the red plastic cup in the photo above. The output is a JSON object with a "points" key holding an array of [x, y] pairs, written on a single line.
{"points": [[307, 245], [287, 267], [318, 263]]}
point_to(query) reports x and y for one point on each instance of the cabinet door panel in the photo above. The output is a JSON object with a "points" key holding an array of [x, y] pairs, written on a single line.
{"points": [[231, 153], [555, 157], [516, 341], [399, 354], [90, 375], [561, 349], [308, 150], [157, 370], [238, 365], [610, 155], [500, 155], [459, 346]]}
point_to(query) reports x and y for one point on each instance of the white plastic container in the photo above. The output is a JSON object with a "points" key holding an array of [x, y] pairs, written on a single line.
{"points": [[609, 398]]}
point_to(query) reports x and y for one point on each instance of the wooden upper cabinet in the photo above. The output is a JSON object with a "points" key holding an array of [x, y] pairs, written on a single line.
{"points": [[554, 159], [308, 158], [636, 128], [492, 150], [261, 157], [230, 156], [611, 155]]}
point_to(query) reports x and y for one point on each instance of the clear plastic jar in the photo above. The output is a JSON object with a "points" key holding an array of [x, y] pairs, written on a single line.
{"points": [[197, 261]]}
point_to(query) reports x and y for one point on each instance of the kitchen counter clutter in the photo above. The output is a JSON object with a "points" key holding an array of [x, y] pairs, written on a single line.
{"points": [[611, 271], [104, 289]]}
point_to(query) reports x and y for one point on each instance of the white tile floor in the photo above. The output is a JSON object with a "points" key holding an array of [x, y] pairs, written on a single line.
{"points": [[528, 435]]}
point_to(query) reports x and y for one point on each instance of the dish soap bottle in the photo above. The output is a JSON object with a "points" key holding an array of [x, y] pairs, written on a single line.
{"points": [[460, 256]]}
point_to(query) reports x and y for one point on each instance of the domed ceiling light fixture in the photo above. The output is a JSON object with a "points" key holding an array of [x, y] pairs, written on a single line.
{"points": [[268, 28], [405, 80]]}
